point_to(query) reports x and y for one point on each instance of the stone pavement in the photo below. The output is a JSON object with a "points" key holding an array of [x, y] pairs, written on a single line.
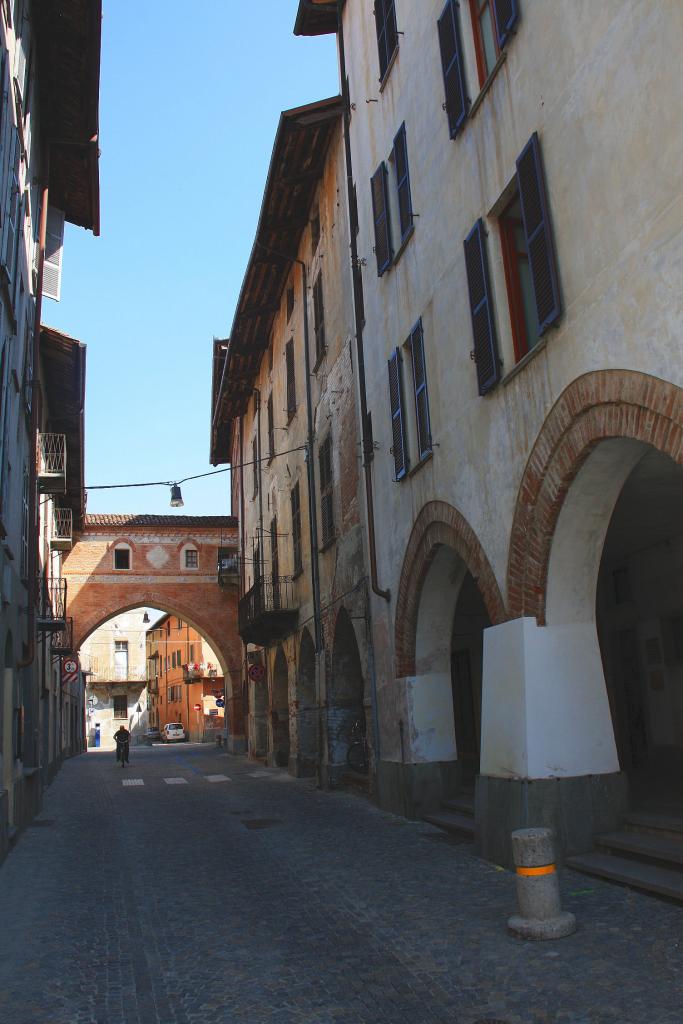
{"points": [[261, 900]]}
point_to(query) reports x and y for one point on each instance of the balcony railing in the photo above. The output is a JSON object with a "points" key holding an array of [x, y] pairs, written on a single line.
{"points": [[61, 531], [51, 611], [62, 641], [267, 613], [196, 670], [51, 460]]}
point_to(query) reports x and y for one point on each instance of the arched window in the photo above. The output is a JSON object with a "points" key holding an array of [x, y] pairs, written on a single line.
{"points": [[123, 556]]}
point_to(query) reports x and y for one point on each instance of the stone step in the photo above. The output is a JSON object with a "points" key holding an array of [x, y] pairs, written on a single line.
{"points": [[647, 821], [461, 804], [650, 847], [452, 822], [647, 877]]}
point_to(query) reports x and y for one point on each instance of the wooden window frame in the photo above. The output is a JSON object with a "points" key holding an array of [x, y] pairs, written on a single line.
{"points": [[513, 284], [477, 8], [326, 492], [319, 319], [385, 24], [271, 428], [400, 154], [295, 502], [290, 372], [424, 443]]}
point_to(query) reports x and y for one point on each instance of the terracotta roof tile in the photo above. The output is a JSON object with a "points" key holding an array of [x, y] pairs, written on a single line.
{"points": [[110, 519]]}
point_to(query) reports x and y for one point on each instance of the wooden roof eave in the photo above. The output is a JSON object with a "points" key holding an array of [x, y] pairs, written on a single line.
{"points": [[296, 166]]}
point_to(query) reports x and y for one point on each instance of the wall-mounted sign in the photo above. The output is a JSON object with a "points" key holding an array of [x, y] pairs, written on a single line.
{"points": [[256, 673], [69, 671]]}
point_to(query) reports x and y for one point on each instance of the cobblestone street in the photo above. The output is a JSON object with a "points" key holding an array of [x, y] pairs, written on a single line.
{"points": [[170, 893]]}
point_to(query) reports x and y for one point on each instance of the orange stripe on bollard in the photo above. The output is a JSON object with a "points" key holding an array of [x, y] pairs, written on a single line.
{"points": [[546, 869]]}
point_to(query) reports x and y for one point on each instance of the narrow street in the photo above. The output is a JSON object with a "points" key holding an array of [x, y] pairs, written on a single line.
{"points": [[194, 886]]}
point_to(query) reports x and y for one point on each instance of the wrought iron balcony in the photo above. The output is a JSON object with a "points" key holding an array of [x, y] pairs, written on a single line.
{"points": [[61, 530], [195, 671], [62, 641], [51, 459], [267, 613], [51, 610]]}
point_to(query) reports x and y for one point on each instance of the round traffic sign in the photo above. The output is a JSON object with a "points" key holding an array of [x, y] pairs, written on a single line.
{"points": [[70, 665], [198, 707], [256, 673], [220, 703]]}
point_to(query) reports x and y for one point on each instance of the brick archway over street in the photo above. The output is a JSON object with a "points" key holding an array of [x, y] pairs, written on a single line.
{"points": [[438, 524], [597, 406], [160, 575]]}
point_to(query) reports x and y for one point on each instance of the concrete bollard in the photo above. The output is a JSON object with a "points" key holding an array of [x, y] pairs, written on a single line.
{"points": [[538, 891]]}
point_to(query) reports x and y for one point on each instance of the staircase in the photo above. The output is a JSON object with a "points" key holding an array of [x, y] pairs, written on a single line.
{"points": [[455, 816], [646, 854]]}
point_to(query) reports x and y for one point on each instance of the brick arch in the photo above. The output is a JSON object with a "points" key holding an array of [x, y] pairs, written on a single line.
{"points": [[437, 525], [593, 408], [86, 624]]}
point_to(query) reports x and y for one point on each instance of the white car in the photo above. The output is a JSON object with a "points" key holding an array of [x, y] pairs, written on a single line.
{"points": [[173, 732]]}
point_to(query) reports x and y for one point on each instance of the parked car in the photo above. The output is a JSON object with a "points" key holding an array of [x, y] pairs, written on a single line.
{"points": [[152, 735], [173, 732]]}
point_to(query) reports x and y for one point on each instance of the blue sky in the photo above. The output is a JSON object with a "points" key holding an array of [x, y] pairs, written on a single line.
{"points": [[190, 96]]}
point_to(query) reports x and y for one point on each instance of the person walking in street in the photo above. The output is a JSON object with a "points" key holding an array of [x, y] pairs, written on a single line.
{"points": [[122, 737]]}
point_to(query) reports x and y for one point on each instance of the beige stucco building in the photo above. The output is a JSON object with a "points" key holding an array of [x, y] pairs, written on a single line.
{"points": [[285, 416], [520, 242]]}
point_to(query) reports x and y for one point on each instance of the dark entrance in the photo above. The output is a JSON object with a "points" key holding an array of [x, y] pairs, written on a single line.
{"points": [[639, 610], [280, 711], [471, 618]]}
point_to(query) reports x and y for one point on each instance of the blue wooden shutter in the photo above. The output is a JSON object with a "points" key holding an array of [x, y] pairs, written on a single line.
{"points": [[452, 63], [424, 434], [506, 14], [405, 205], [539, 237], [387, 35], [397, 424], [481, 308], [380, 216]]}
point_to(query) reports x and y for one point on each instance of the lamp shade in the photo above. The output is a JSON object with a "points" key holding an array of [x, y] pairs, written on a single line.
{"points": [[176, 497], [145, 617]]}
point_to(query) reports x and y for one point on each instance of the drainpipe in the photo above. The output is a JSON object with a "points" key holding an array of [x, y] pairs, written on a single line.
{"points": [[35, 393], [310, 466], [368, 448]]}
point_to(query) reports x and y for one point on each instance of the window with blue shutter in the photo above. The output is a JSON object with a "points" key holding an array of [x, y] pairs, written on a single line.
{"points": [[387, 35], [405, 206], [397, 424], [452, 64], [506, 14], [424, 434], [538, 232], [481, 309], [380, 216]]}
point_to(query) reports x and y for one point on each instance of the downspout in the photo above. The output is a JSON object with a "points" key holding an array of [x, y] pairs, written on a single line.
{"points": [[368, 448], [35, 391]]}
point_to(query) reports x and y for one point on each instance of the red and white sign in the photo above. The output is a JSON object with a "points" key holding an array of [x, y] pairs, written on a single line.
{"points": [[198, 707], [256, 673], [69, 671]]}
